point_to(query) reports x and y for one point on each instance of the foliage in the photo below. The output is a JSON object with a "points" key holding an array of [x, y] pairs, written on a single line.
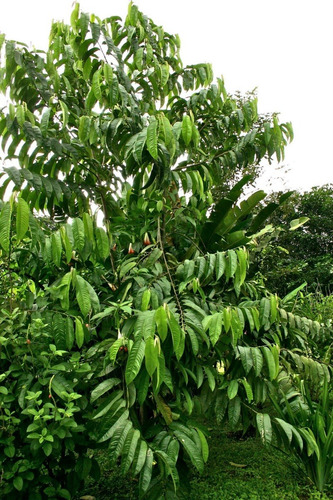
{"points": [[303, 255], [237, 467], [114, 332], [308, 422]]}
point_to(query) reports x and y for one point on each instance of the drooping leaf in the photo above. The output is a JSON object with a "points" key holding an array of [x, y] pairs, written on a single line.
{"points": [[22, 218], [134, 361], [5, 224], [161, 322], [151, 356], [79, 334], [82, 295], [152, 139], [264, 427], [103, 387]]}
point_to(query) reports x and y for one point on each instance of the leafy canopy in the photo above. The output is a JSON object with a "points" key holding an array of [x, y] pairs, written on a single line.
{"points": [[112, 336]]}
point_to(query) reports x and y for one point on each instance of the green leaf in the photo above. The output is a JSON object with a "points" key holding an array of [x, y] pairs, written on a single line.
{"points": [[103, 387], [69, 335], [129, 449], [161, 322], [79, 334], [134, 361], [145, 300], [215, 327], [270, 362], [5, 223], [248, 390], [257, 359], [220, 265], [264, 427], [264, 313], [102, 241], [287, 428], [246, 358], [56, 248], [140, 458], [194, 452], [232, 389], [296, 223], [120, 422], [163, 408], [211, 377], [44, 122], [75, 15], [204, 445], [152, 139], [96, 85], [186, 129], [231, 264], [146, 472], [84, 129], [151, 355], [47, 449], [22, 218], [234, 409], [64, 110], [78, 233], [82, 295], [18, 483], [175, 331]]}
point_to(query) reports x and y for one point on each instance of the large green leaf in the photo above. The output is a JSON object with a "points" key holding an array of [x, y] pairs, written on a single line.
{"points": [[161, 322], [152, 139], [5, 224], [134, 361], [22, 218], [82, 295], [264, 427], [151, 355], [103, 387]]}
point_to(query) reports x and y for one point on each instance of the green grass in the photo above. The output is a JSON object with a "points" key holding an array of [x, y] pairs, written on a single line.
{"points": [[268, 474]]}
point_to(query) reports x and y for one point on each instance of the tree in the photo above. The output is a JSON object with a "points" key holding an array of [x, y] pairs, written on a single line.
{"points": [[304, 255], [113, 333]]}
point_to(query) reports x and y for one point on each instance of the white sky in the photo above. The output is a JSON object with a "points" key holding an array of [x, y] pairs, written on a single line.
{"points": [[282, 47]]}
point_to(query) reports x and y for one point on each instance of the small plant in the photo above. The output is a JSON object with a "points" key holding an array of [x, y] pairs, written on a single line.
{"points": [[305, 427]]}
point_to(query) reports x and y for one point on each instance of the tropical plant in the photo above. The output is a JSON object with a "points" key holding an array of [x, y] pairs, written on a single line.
{"points": [[113, 332], [308, 423]]}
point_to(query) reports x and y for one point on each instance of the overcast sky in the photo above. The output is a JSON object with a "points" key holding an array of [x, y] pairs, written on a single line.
{"points": [[284, 48]]}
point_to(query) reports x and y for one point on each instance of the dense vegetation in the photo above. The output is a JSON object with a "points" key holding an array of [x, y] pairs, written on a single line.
{"points": [[304, 256], [116, 336]]}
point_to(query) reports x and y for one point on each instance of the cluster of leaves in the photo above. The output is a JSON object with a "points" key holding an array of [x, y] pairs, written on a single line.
{"points": [[113, 335], [303, 256]]}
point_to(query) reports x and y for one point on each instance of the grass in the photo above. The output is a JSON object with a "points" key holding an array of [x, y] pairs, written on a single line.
{"points": [[267, 474]]}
